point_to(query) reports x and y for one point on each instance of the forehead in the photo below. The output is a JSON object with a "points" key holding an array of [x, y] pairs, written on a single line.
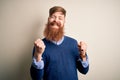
{"points": [[58, 14]]}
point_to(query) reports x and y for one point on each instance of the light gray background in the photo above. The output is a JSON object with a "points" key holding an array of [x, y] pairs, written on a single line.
{"points": [[97, 22]]}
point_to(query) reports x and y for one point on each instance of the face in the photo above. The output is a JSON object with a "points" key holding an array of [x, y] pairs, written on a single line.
{"points": [[55, 27], [56, 20]]}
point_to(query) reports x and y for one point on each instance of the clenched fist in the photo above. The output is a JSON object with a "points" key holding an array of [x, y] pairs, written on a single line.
{"points": [[82, 48], [39, 49]]}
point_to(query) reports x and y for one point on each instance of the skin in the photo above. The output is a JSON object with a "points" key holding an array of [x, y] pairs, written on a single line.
{"points": [[40, 46], [57, 17]]}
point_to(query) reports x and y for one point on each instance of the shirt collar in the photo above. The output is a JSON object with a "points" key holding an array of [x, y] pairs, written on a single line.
{"points": [[58, 42]]}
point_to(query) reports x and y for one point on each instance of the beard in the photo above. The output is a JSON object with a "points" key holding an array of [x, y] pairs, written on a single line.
{"points": [[53, 34]]}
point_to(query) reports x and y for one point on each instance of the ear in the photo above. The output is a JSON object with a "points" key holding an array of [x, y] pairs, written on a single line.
{"points": [[48, 18], [64, 21]]}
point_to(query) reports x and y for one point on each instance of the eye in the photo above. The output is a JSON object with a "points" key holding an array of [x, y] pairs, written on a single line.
{"points": [[52, 17], [60, 18]]}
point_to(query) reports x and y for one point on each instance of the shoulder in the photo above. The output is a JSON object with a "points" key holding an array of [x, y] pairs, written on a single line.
{"points": [[45, 40], [70, 39]]}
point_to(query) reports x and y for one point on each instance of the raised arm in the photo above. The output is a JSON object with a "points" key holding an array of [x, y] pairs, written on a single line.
{"points": [[37, 66], [82, 62]]}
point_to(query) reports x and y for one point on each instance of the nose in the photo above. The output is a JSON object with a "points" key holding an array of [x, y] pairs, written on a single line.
{"points": [[56, 19]]}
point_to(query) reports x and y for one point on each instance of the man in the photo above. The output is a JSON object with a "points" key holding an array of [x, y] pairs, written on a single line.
{"points": [[57, 57]]}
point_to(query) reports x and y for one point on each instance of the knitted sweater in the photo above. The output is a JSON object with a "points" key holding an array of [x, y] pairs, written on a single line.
{"points": [[60, 61]]}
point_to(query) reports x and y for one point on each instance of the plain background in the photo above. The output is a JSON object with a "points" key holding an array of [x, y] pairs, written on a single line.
{"points": [[97, 22]]}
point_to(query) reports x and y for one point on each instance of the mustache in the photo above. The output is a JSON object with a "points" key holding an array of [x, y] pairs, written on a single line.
{"points": [[54, 23]]}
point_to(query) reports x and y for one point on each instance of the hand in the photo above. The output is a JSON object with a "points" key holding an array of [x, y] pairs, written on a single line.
{"points": [[82, 48], [39, 49]]}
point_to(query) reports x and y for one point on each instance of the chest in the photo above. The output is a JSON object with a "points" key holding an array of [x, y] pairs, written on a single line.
{"points": [[60, 55]]}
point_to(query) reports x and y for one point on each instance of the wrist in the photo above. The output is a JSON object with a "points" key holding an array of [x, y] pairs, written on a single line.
{"points": [[38, 56], [83, 56]]}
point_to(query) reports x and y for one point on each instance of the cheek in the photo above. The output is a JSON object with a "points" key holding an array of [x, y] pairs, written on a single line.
{"points": [[51, 20], [62, 23]]}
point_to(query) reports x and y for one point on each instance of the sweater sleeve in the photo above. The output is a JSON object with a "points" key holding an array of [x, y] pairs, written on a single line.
{"points": [[83, 66], [84, 63], [36, 70], [38, 65]]}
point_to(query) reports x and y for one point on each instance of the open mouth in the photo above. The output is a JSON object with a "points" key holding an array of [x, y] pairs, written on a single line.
{"points": [[55, 24]]}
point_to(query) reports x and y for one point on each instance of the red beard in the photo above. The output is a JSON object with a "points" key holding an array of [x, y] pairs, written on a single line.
{"points": [[53, 34]]}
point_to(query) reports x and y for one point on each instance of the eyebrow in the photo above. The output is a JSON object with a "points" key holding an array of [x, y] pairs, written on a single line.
{"points": [[58, 16]]}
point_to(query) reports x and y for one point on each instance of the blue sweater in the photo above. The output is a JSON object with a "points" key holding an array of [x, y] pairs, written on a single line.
{"points": [[60, 61]]}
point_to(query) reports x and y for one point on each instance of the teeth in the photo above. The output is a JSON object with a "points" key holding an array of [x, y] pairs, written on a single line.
{"points": [[54, 24]]}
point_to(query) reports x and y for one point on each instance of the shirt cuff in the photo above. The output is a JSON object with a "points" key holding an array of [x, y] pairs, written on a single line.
{"points": [[37, 65], [84, 63]]}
